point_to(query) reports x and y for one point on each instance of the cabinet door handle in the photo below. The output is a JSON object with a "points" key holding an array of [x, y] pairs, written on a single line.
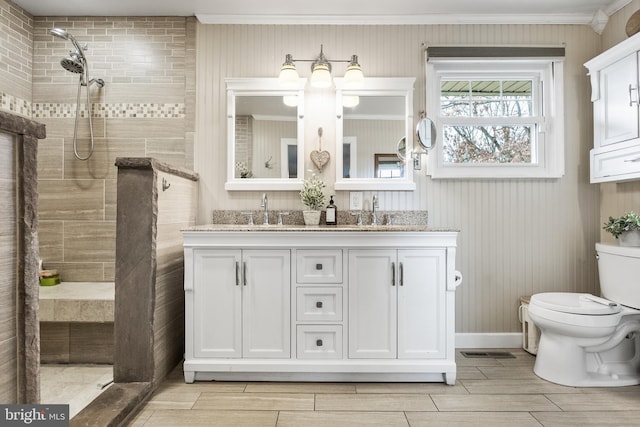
{"points": [[319, 343], [244, 273], [237, 273], [637, 159], [393, 274], [401, 275], [631, 100]]}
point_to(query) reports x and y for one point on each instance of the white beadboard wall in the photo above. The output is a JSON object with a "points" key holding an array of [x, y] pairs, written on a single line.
{"points": [[518, 237]]}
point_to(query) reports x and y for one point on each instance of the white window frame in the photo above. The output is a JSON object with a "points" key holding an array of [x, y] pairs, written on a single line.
{"points": [[547, 74]]}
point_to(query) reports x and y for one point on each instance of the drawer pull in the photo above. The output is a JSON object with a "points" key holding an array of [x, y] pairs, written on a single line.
{"points": [[318, 266], [319, 304], [637, 159], [319, 343]]}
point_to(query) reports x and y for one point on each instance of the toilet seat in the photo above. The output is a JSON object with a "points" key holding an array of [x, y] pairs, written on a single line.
{"points": [[574, 303]]}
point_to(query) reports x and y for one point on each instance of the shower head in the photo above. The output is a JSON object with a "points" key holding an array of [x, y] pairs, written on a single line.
{"points": [[73, 64], [59, 32]]}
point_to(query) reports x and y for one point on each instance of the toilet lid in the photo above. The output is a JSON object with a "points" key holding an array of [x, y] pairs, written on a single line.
{"points": [[573, 303]]}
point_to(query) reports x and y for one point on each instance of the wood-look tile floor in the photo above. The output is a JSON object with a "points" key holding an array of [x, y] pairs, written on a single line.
{"points": [[488, 392]]}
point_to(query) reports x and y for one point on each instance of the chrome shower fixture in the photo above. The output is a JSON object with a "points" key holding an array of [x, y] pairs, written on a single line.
{"points": [[77, 63]]}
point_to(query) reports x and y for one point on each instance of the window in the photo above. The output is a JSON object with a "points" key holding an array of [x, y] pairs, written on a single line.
{"points": [[496, 117]]}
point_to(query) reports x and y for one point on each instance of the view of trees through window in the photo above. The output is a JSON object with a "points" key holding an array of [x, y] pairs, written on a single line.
{"points": [[487, 121]]}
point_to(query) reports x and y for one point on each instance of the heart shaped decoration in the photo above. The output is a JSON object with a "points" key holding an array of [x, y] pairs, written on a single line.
{"points": [[320, 158]]}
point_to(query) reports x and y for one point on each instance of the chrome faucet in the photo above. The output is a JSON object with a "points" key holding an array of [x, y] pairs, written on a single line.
{"points": [[374, 206], [265, 204]]}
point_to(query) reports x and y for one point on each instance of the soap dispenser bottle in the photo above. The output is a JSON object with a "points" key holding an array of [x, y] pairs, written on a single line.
{"points": [[332, 213]]}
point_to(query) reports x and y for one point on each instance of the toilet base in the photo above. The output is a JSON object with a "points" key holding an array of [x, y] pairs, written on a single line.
{"points": [[563, 362]]}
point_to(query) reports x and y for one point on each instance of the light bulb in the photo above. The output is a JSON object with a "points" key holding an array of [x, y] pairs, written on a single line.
{"points": [[321, 77]]}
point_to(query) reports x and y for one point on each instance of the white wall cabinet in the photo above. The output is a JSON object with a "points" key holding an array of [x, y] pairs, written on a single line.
{"points": [[615, 86], [327, 305]]}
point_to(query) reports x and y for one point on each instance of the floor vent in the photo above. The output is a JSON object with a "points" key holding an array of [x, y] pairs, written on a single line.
{"points": [[488, 354]]}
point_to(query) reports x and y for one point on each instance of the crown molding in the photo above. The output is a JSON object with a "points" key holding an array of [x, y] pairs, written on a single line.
{"points": [[427, 19], [615, 6]]}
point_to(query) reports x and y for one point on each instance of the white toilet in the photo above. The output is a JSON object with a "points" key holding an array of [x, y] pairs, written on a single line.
{"points": [[589, 341]]}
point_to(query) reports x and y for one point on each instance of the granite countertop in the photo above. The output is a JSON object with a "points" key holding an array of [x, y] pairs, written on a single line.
{"points": [[317, 228]]}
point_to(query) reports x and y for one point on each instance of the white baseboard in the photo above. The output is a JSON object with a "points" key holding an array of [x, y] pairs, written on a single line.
{"points": [[489, 340]]}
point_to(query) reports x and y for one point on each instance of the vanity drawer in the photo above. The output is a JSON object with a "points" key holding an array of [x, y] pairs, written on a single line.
{"points": [[319, 342], [320, 266], [319, 304]]}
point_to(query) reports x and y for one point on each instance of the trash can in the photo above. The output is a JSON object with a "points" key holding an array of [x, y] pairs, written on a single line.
{"points": [[530, 332]]}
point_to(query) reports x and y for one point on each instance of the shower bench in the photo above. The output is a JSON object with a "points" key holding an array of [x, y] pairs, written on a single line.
{"points": [[76, 322]]}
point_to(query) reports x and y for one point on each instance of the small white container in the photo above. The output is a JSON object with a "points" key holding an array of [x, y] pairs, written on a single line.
{"points": [[530, 332]]}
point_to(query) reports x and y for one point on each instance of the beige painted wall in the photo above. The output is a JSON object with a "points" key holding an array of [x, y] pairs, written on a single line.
{"points": [[518, 237]]}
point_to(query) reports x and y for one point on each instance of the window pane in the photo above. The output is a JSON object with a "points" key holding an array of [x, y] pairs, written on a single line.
{"points": [[487, 144], [517, 98], [486, 98], [454, 99]]}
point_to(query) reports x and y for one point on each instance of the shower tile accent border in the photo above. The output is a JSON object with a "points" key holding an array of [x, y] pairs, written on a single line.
{"points": [[15, 105], [53, 110]]}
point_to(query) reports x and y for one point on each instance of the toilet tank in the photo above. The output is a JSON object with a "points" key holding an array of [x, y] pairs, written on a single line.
{"points": [[619, 272]]}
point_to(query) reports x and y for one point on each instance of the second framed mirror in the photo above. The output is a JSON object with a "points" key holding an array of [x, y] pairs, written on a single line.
{"points": [[370, 122]]}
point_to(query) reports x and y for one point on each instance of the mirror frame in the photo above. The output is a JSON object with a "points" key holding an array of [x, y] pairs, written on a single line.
{"points": [[375, 86], [261, 87]]}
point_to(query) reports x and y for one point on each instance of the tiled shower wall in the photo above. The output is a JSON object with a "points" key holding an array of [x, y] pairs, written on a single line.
{"points": [[16, 52], [145, 109]]}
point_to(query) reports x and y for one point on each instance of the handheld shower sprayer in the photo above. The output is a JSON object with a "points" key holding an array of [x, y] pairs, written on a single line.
{"points": [[76, 63]]}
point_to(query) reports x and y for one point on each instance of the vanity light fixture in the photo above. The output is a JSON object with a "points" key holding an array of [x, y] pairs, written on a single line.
{"points": [[321, 72]]}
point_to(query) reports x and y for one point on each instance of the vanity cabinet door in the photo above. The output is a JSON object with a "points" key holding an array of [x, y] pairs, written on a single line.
{"points": [[266, 303], [217, 303], [372, 304], [241, 302], [397, 303], [421, 303]]}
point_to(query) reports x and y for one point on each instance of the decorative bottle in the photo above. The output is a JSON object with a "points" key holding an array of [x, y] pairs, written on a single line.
{"points": [[332, 213]]}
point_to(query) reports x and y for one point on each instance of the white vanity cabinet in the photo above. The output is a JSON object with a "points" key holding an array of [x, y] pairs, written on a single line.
{"points": [[615, 87], [319, 304], [393, 294], [239, 302]]}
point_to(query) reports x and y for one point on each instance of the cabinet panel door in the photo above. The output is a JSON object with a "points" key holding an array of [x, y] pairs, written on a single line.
{"points": [[372, 304], [421, 303], [618, 118], [217, 304], [266, 304]]}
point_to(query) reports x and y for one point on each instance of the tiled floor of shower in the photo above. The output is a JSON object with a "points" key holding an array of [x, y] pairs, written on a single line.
{"points": [[75, 385]]}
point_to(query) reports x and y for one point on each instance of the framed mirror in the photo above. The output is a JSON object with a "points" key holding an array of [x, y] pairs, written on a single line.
{"points": [[265, 135], [370, 122]]}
